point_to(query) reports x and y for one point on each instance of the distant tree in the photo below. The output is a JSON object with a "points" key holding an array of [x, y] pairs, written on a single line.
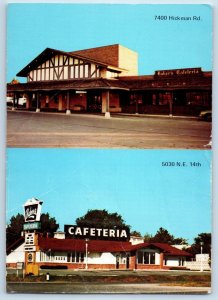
{"points": [[148, 237], [135, 233], [14, 229], [180, 241], [162, 236], [48, 224], [102, 219], [205, 239], [14, 81]]}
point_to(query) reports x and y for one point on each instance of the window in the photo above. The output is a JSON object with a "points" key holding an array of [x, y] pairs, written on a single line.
{"points": [[47, 74], [76, 71], [181, 262], [72, 72], [146, 258], [86, 71], [75, 257], [81, 71], [65, 72]]}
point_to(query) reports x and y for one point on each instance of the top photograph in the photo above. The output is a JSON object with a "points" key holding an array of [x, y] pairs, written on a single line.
{"points": [[109, 76]]}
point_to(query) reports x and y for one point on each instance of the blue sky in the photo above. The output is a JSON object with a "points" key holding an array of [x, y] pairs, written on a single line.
{"points": [[160, 44], [130, 182]]}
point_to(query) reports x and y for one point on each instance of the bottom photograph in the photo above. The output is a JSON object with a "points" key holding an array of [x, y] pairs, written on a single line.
{"points": [[88, 221]]}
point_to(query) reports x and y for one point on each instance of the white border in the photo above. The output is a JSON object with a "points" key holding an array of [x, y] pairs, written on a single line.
{"points": [[3, 4]]}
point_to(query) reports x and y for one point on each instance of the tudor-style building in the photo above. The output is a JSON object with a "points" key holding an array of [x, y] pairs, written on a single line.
{"points": [[105, 79]]}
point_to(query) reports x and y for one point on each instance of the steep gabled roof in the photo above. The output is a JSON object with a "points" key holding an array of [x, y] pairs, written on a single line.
{"points": [[47, 54]]}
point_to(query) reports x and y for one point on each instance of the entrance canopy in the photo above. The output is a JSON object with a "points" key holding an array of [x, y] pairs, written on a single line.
{"points": [[64, 85]]}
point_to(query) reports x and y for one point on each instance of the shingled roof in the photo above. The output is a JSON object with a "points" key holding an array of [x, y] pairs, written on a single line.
{"points": [[165, 248], [77, 84], [80, 245], [53, 244], [105, 54]]}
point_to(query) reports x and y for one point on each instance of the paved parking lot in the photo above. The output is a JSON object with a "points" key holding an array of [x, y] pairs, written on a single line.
{"points": [[94, 288], [30, 129]]}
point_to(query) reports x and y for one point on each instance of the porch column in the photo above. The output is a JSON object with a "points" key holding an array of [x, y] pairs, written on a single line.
{"points": [[171, 105], [27, 100], [136, 105], [68, 112], [107, 113], [132, 264], [161, 260], [60, 102], [14, 98], [37, 102]]}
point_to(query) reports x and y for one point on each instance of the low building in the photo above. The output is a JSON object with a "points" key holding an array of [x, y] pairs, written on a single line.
{"points": [[105, 79], [98, 254]]}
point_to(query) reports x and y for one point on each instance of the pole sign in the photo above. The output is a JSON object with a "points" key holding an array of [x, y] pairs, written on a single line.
{"points": [[32, 210], [121, 234]]}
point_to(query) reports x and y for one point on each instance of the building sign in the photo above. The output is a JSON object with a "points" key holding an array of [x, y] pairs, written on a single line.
{"points": [[31, 226], [20, 265], [29, 239], [32, 210], [179, 72], [74, 231], [29, 248], [81, 92]]}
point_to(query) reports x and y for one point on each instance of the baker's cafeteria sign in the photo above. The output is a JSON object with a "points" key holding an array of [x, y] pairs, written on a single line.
{"points": [[74, 231], [32, 210]]}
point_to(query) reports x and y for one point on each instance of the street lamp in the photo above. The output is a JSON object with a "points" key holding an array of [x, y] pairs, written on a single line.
{"points": [[201, 243], [86, 254]]}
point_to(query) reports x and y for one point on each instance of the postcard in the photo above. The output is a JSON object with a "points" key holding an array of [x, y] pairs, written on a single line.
{"points": [[109, 148]]}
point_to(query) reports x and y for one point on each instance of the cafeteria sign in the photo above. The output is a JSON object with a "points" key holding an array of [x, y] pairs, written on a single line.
{"points": [[32, 210], [97, 233]]}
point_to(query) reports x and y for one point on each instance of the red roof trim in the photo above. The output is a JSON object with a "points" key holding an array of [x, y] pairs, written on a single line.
{"points": [[53, 244]]}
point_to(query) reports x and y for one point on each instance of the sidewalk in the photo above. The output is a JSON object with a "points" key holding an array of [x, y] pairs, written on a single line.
{"points": [[113, 115], [154, 116]]}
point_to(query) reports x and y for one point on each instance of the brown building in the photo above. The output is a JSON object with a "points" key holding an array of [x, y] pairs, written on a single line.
{"points": [[105, 79]]}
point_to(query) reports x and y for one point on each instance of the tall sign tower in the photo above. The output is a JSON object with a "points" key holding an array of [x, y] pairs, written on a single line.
{"points": [[31, 227]]}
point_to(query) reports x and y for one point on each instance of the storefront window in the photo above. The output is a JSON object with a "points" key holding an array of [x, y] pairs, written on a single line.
{"points": [[75, 257], [146, 258]]}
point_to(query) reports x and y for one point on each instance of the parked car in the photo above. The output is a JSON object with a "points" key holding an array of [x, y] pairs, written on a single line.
{"points": [[9, 100], [78, 107], [22, 101], [205, 115]]}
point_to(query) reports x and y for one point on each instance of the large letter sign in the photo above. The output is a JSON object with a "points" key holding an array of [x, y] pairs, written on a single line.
{"points": [[74, 231]]}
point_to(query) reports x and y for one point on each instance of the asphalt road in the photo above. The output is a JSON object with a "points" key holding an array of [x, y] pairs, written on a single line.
{"points": [[82, 284], [30, 129], [95, 288]]}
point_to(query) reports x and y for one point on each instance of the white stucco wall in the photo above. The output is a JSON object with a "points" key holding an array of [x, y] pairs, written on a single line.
{"points": [[101, 258], [173, 261], [17, 255]]}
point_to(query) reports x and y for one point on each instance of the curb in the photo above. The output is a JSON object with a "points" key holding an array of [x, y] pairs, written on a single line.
{"points": [[114, 115]]}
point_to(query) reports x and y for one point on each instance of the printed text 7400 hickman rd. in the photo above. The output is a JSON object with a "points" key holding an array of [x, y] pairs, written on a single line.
{"points": [[177, 18]]}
